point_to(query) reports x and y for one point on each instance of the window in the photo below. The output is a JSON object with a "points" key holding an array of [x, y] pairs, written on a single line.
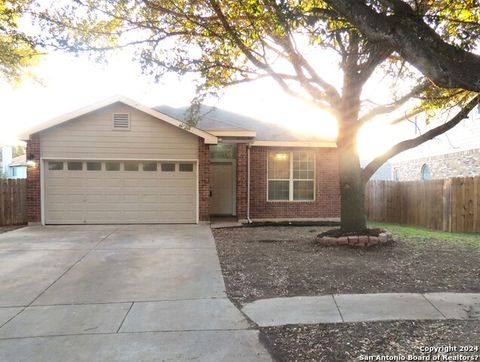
{"points": [[121, 121], [112, 166], [149, 166], [168, 167], [291, 176], [14, 172], [131, 166], [74, 166], [222, 151], [186, 167], [94, 166], [55, 165], [425, 172]]}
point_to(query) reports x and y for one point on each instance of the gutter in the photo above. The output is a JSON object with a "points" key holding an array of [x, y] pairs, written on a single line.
{"points": [[248, 183]]}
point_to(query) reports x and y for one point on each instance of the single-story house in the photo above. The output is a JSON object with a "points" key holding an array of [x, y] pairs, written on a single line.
{"points": [[118, 161], [18, 167], [12, 167]]}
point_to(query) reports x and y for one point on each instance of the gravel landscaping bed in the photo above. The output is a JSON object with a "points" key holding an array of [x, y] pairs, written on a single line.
{"points": [[274, 261], [356, 341]]}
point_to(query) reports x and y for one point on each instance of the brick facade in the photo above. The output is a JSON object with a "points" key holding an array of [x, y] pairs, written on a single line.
{"points": [[327, 198], [203, 180], [455, 164], [242, 181], [33, 180]]}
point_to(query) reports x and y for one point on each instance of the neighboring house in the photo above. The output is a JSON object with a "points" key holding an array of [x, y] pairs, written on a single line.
{"points": [[18, 167], [120, 162], [453, 154], [12, 167]]}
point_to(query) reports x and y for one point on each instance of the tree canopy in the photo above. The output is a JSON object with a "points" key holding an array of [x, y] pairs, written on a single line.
{"points": [[435, 36], [17, 50]]}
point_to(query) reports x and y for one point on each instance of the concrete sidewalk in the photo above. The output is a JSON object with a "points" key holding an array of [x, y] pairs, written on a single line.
{"points": [[340, 308]]}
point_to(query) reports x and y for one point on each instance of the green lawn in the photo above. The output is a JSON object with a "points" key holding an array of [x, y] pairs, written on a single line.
{"points": [[411, 232]]}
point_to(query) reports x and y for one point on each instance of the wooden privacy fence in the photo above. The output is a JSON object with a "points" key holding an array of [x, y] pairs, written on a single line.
{"points": [[13, 197], [448, 205]]}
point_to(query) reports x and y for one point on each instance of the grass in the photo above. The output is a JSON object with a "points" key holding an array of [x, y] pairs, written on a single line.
{"points": [[417, 233]]}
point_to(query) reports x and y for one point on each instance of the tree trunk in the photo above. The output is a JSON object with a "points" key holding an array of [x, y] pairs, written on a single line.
{"points": [[352, 191], [352, 186]]}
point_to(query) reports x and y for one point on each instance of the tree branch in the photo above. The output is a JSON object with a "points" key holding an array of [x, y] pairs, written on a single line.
{"points": [[445, 64], [373, 166], [394, 105]]}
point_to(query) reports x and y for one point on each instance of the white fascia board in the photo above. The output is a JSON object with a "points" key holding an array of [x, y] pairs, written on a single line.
{"points": [[294, 144], [232, 133]]}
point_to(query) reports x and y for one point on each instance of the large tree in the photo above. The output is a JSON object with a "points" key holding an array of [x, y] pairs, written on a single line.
{"points": [[233, 41]]}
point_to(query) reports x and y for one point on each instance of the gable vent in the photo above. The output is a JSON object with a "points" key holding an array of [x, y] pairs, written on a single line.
{"points": [[121, 121]]}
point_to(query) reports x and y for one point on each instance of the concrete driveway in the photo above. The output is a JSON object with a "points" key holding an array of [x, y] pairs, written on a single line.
{"points": [[118, 293]]}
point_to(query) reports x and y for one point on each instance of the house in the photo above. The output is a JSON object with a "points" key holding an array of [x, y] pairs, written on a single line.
{"points": [[12, 167], [118, 161], [18, 167], [455, 153]]}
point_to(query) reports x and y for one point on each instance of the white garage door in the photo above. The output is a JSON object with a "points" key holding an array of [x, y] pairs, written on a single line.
{"points": [[102, 192]]}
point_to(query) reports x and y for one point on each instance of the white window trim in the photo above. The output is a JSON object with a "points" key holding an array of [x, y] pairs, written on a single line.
{"points": [[291, 179]]}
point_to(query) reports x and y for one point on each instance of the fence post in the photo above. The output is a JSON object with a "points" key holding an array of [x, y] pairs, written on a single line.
{"points": [[447, 205]]}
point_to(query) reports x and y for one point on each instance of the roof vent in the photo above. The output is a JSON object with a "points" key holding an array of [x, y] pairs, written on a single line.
{"points": [[121, 121]]}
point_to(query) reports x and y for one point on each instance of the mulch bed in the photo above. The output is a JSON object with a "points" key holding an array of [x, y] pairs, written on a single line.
{"points": [[352, 341], [266, 262]]}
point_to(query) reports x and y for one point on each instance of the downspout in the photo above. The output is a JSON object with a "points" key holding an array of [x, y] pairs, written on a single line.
{"points": [[248, 183]]}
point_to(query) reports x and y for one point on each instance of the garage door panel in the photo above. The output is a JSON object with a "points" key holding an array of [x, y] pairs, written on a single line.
{"points": [[65, 181], [99, 197]]}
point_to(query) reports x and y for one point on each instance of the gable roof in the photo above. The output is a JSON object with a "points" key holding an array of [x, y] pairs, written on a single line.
{"points": [[216, 120], [18, 161], [208, 137]]}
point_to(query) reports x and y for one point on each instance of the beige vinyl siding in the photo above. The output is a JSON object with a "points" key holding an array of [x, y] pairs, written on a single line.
{"points": [[92, 136]]}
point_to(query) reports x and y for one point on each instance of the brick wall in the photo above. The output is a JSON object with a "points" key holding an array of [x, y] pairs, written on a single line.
{"points": [[203, 180], [456, 164], [242, 181], [33, 180], [327, 198]]}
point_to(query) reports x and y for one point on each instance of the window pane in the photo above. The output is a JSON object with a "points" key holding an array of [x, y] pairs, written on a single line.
{"points": [[303, 190], [168, 167], [303, 165], [186, 167], [278, 165], [75, 166], [55, 165], [278, 190], [149, 166], [94, 166], [222, 151], [112, 166], [131, 166]]}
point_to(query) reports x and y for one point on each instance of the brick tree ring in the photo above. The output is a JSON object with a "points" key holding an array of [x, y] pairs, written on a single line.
{"points": [[355, 240]]}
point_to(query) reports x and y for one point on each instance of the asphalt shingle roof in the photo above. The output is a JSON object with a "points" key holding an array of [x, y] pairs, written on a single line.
{"points": [[218, 119]]}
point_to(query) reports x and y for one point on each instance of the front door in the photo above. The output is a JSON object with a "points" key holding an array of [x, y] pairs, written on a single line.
{"points": [[222, 183]]}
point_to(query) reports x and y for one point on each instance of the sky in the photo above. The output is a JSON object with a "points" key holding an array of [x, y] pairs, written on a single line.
{"points": [[66, 83]]}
